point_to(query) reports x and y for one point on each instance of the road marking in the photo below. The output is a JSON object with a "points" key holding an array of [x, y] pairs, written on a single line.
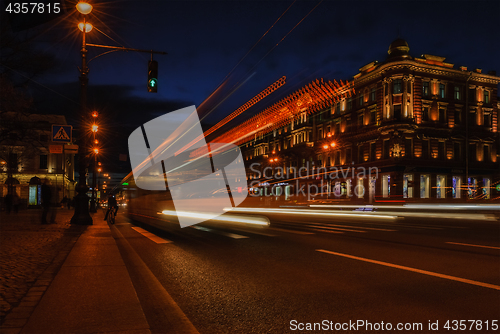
{"points": [[231, 235], [458, 243], [333, 228], [290, 231], [420, 271], [151, 236], [173, 317]]}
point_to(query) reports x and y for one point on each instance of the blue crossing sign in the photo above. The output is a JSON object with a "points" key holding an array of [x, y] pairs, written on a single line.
{"points": [[61, 133]]}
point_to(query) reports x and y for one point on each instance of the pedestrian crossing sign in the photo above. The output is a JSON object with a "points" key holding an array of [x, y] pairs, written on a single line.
{"points": [[61, 133]]}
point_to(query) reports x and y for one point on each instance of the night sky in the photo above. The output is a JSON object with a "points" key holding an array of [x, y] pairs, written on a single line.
{"points": [[206, 40]]}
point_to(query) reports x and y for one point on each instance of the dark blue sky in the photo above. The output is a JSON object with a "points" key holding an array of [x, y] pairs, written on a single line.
{"points": [[206, 40]]}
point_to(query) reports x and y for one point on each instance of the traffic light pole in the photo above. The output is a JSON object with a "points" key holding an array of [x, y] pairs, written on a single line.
{"points": [[82, 215]]}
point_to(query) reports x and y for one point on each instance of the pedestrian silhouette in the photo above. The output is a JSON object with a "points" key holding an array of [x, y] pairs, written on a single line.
{"points": [[46, 203]]}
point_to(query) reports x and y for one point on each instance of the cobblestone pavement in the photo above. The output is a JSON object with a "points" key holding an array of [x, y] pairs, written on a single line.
{"points": [[30, 257]]}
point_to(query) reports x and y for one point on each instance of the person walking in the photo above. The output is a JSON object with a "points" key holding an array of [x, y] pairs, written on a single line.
{"points": [[46, 197], [112, 205]]}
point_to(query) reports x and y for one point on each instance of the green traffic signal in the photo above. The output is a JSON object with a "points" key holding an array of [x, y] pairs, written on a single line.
{"points": [[152, 76]]}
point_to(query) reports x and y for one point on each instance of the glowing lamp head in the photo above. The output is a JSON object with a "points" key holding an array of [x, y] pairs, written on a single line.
{"points": [[84, 7], [96, 150], [99, 170], [88, 26], [275, 159], [95, 127], [332, 144], [325, 146], [95, 114], [271, 160]]}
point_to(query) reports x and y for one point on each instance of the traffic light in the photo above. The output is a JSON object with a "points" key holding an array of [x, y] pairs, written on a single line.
{"points": [[152, 76]]}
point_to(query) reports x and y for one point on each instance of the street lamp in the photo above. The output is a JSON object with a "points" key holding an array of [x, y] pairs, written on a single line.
{"points": [[93, 206], [82, 215]]}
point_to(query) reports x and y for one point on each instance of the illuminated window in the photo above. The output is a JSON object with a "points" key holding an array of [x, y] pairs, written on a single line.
{"points": [[397, 87], [386, 185], [425, 88], [486, 96], [373, 117], [408, 186], [441, 186], [486, 188], [441, 91], [424, 186], [457, 93], [472, 188], [456, 186], [360, 99]]}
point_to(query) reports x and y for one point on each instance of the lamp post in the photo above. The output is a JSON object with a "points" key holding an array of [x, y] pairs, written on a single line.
{"points": [[82, 215], [93, 207]]}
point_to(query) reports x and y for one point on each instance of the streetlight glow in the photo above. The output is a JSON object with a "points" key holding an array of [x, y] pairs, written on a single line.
{"points": [[84, 7], [332, 144], [94, 128], [96, 150], [325, 146], [95, 114], [88, 26]]}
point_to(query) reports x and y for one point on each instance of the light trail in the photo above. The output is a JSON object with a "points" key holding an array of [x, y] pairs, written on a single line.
{"points": [[225, 218]]}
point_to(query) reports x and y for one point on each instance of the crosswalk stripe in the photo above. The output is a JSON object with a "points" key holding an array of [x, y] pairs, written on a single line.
{"points": [[151, 236], [227, 234]]}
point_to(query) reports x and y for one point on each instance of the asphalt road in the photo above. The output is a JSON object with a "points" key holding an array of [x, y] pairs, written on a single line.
{"points": [[336, 271]]}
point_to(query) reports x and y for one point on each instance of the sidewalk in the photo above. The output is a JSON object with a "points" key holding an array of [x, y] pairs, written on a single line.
{"points": [[91, 292]]}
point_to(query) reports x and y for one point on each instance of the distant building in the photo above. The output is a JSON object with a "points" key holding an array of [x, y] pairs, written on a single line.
{"points": [[420, 129], [28, 156]]}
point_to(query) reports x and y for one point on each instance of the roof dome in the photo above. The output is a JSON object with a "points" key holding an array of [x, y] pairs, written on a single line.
{"points": [[399, 48]]}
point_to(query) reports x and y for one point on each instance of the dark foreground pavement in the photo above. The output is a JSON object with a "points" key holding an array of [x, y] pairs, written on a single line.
{"points": [[61, 278]]}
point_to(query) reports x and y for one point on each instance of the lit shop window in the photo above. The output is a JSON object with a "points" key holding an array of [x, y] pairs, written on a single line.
{"points": [[441, 186], [424, 186]]}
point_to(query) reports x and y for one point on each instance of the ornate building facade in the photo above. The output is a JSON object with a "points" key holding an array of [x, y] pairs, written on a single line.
{"points": [[29, 156], [406, 129]]}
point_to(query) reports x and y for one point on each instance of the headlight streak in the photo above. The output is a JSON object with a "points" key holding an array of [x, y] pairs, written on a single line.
{"points": [[368, 214], [225, 218], [315, 213], [415, 206]]}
